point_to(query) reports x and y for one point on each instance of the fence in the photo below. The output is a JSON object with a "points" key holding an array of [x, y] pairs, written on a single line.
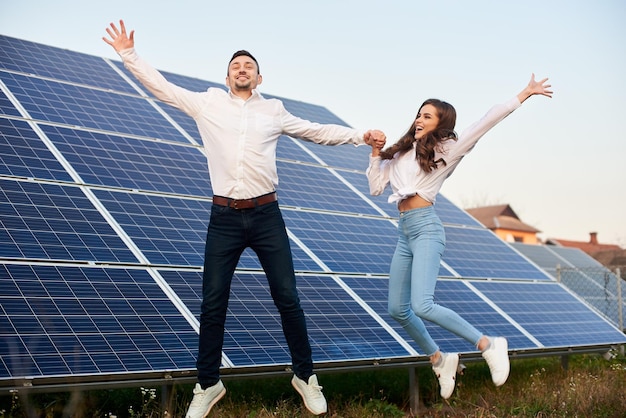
{"points": [[599, 287]]}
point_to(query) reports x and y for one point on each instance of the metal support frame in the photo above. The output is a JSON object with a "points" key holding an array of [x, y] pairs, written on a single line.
{"points": [[166, 398], [620, 310], [414, 394], [114, 381]]}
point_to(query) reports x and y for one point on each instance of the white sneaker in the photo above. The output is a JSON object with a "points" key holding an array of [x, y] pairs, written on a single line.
{"points": [[311, 394], [446, 373], [497, 357], [203, 400]]}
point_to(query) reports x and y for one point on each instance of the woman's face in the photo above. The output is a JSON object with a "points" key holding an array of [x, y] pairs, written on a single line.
{"points": [[426, 121]]}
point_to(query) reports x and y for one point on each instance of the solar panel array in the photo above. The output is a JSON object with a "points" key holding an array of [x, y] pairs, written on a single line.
{"points": [[584, 275], [104, 205]]}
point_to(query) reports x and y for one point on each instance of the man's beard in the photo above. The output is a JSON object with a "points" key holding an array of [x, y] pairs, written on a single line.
{"points": [[245, 85]]}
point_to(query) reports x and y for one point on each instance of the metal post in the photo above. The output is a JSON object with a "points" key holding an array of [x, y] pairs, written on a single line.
{"points": [[620, 301], [414, 395], [166, 400], [558, 273]]}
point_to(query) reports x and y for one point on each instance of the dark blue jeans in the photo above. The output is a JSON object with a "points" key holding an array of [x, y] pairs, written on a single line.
{"points": [[230, 232]]}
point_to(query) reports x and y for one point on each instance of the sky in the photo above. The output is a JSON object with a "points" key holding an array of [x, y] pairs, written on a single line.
{"points": [[560, 163]]}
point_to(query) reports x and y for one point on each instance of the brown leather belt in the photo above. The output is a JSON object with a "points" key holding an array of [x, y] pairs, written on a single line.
{"points": [[245, 203]]}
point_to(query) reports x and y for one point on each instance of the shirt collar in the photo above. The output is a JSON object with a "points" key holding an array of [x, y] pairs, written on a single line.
{"points": [[255, 94]]}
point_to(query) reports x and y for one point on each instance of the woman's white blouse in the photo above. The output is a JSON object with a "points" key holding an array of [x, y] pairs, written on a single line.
{"points": [[406, 177]]}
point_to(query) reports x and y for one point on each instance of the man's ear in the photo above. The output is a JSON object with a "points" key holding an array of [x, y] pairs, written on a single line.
{"points": [[227, 82], [259, 79]]}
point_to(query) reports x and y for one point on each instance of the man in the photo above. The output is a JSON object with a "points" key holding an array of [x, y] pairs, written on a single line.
{"points": [[240, 130]]}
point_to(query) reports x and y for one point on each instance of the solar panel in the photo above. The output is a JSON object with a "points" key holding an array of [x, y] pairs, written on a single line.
{"points": [[41, 221], [74, 105], [60, 320], [480, 253], [345, 156], [104, 205], [346, 244], [540, 255], [550, 314], [59, 64], [583, 275], [318, 188], [451, 214], [576, 257], [339, 328], [23, 153], [130, 163], [359, 181], [6, 107], [450, 293]]}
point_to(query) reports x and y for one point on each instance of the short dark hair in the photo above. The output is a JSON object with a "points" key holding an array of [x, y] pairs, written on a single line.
{"points": [[243, 52]]}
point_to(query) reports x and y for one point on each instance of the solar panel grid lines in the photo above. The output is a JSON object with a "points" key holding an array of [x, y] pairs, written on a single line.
{"points": [[358, 181], [584, 277], [121, 161], [336, 156], [541, 255], [74, 105], [503, 314], [54, 152], [170, 230], [459, 297], [576, 257], [372, 312], [23, 153], [317, 187], [75, 320], [340, 240], [288, 150], [6, 106], [48, 221], [59, 64], [541, 307], [480, 253], [252, 315]]}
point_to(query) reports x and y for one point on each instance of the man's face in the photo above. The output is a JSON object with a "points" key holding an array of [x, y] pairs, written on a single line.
{"points": [[243, 74]]}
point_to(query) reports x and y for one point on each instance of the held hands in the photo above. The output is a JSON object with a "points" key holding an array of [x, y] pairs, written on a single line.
{"points": [[535, 87], [376, 139], [119, 40]]}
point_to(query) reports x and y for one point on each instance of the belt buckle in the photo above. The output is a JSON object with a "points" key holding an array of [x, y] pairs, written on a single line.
{"points": [[235, 204]]}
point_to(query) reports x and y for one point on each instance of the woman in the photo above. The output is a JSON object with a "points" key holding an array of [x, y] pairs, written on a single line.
{"points": [[416, 167]]}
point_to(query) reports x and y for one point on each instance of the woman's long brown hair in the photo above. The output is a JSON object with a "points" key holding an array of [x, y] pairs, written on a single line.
{"points": [[426, 147]]}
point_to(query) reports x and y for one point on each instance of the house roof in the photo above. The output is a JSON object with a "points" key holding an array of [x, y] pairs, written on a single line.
{"points": [[492, 211], [611, 257], [500, 217], [588, 247]]}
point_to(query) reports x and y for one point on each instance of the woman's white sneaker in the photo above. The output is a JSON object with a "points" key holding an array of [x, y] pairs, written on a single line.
{"points": [[497, 357], [446, 373]]}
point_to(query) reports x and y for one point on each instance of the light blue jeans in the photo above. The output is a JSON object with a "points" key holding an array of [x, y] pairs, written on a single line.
{"points": [[413, 276]]}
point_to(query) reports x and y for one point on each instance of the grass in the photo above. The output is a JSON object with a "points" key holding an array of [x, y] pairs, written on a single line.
{"points": [[539, 387]]}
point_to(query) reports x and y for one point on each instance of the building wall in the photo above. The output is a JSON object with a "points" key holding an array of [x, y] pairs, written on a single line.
{"points": [[510, 235]]}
